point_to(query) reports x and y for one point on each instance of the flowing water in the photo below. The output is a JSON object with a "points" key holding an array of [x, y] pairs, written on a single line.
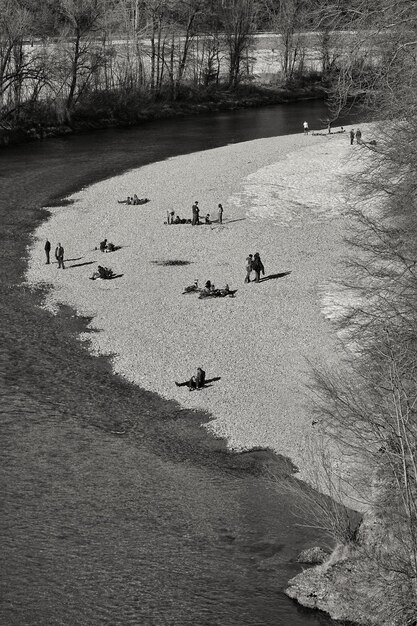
{"points": [[118, 508]]}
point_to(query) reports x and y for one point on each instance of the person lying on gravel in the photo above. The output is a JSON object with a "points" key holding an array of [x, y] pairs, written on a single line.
{"points": [[192, 288], [217, 293], [134, 200]]}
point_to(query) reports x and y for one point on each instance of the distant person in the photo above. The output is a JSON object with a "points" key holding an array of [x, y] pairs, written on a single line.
{"points": [[103, 245], [200, 379], [48, 251], [196, 212], [358, 136], [208, 287], [352, 136], [59, 255], [207, 219], [248, 267], [220, 210], [191, 384], [135, 199], [329, 126], [306, 128], [257, 267]]}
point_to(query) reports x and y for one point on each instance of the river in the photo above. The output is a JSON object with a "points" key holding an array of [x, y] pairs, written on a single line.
{"points": [[118, 508]]}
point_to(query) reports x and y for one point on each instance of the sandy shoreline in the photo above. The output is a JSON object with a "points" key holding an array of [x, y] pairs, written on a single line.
{"points": [[282, 198]]}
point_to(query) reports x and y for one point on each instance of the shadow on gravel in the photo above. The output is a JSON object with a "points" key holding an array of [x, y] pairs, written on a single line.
{"points": [[81, 264], [274, 276]]}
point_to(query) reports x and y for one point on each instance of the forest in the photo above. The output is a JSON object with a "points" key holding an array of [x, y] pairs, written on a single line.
{"points": [[68, 60]]}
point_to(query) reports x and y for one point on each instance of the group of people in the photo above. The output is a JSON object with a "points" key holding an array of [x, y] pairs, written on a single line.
{"points": [[195, 220], [59, 254], [254, 264], [134, 200], [103, 272], [355, 135], [59, 251], [196, 382], [107, 247]]}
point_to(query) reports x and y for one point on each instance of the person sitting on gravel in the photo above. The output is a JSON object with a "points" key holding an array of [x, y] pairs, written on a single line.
{"points": [[195, 382], [103, 272], [103, 245], [191, 384], [207, 219], [200, 379]]}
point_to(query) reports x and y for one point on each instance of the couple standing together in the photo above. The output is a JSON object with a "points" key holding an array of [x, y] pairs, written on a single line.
{"points": [[59, 254], [254, 264]]}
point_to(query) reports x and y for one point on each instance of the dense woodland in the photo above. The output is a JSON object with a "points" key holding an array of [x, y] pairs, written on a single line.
{"points": [[66, 59]]}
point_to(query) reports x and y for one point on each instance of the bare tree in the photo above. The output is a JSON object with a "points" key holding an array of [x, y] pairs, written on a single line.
{"points": [[239, 23]]}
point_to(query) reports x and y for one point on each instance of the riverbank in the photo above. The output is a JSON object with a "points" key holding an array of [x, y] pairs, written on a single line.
{"points": [[111, 110], [283, 198], [118, 507]]}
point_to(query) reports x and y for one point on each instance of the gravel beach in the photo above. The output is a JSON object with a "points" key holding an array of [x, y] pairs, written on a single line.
{"points": [[282, 197]]}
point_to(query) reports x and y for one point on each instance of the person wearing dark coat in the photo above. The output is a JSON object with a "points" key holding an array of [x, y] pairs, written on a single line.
{"points": [[195, 382], [352, 136], [59, 255], [200, 379], [48, 251], [257, 267], [196, 212]]}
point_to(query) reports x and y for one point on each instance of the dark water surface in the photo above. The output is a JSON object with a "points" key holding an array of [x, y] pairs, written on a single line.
{"points": [[118, 508]]}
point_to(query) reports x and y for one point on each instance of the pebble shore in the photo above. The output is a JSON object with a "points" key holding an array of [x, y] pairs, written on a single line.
{"points": [[282, 197]]}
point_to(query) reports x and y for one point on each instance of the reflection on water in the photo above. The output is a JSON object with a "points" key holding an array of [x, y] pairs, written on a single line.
{"points": [[160, 525]]}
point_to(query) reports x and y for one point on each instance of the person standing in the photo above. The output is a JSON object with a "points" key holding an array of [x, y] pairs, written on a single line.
{"points": [[257, 267], [48, 251], [196, 212], [248, 267], [306, 128], [352, 136], [220, 214], [358, 136], [59, 255]]}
